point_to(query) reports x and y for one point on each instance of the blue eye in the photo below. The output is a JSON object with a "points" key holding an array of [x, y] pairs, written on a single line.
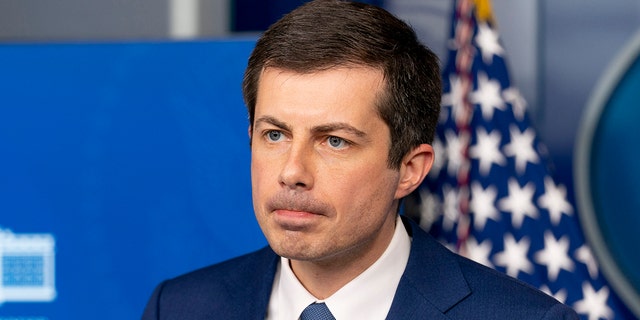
{"points": [[336, 142], [274, 135]]}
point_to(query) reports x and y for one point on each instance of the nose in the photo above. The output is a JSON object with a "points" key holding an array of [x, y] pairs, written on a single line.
{"points": [[297, 172]]}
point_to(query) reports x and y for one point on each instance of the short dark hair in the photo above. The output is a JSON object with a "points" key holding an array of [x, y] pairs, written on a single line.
{"points": [[324, 34]]}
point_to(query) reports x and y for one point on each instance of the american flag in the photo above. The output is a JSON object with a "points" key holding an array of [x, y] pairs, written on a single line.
{"points": [[491, 196]]}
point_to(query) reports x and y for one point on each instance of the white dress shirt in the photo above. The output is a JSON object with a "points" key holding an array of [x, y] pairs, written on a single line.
{"points": [[368, 296]]}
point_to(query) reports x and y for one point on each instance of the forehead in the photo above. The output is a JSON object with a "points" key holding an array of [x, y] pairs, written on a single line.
{"points": [[340, 91]]}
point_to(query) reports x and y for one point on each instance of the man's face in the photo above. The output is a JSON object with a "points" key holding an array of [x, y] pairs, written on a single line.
{"points": [[322, 190]]}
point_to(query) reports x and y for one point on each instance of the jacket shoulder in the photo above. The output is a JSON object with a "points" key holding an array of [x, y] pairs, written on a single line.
{"points": [[240, 269], [231, 289], [494, 293], [437, 278]]}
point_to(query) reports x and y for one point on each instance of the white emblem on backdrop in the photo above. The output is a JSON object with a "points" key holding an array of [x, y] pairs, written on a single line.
{"points": [[27, 267]]}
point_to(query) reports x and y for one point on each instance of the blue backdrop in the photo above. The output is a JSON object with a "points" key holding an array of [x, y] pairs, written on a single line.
{"points": [[120, 165]]}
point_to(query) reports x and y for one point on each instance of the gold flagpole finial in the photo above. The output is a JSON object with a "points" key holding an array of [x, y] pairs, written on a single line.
{"points": [[483, 11]]}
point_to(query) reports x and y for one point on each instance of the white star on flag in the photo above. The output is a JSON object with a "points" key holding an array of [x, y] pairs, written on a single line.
{"points": [[594, 303], [555, 200], [519, 202], [487, 40], [561, 295], [488, 96], [479, 252], [454, 99], [554, 255], [482, 204], [514, 256], [519, 105], [429, 208], [440, 155], [583, 254], [455, 151], [487, 150], [451, 208], [521, 147]]}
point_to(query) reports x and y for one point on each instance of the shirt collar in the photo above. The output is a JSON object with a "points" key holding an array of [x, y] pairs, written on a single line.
{"points": [[368, 296]]}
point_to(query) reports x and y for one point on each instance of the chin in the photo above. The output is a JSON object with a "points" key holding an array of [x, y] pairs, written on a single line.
{"points": [[292, 249]]}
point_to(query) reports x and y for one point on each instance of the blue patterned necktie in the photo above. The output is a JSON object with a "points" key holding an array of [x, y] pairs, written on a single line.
{"points": [[316, 311]]}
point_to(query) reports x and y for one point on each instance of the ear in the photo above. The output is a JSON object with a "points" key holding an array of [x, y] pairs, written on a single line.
{"points": [[414, 168]]}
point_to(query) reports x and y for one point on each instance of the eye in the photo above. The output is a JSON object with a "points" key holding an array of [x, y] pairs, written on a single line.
{"points": [[336, 142], [274, 135]]}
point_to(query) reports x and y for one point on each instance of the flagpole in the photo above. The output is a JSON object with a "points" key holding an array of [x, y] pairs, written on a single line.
{"points": [[464, 61]]}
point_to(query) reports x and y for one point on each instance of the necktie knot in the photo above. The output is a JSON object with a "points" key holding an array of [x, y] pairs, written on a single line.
{"points": [[316, 311]]}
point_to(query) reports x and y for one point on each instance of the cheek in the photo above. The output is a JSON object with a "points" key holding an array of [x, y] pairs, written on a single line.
{"points": [[364, 190], [262, 166], [260, 177]]}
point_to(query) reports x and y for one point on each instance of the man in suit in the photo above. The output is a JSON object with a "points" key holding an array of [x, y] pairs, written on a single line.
{"points": [[343, 102]]}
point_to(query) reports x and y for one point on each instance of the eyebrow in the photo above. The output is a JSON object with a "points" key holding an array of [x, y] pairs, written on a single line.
{"points": [[273, 121], [338, 126], [321, 129]]}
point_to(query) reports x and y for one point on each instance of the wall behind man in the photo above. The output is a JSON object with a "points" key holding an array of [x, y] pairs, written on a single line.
{"points": [[111, 20]]}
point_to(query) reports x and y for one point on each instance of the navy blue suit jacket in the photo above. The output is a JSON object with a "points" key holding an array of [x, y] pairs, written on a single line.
{"points": [[436, 284]]}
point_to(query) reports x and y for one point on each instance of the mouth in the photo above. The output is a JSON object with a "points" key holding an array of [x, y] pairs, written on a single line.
{"points": [[293, 220], [296, 211], [296, 205], [297, 217], [300, 214]]}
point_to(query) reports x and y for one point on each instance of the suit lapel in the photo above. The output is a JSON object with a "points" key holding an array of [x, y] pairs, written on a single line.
{"points": [[432, 282]]}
